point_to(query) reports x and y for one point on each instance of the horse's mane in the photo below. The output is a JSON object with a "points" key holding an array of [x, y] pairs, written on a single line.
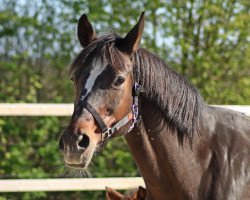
{"points": [[96, 47], [179, 100]]}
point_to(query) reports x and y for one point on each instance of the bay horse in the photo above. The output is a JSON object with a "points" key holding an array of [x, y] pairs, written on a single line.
{"points": [[184, 148]]}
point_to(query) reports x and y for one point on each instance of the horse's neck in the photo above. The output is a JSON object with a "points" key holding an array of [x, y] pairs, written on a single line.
{"points": [[165, 164], [177, 98]]}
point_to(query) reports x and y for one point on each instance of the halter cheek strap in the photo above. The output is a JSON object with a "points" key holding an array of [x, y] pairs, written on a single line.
{"points": [[97, 117], [137, 89], [108, 132]]}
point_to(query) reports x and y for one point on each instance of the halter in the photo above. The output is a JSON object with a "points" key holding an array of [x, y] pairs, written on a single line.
{"points": [[107, 132]]}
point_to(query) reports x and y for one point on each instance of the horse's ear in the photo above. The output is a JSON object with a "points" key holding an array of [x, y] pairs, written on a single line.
{"points": [[141, 193], [112, 194], [85, 31], [131, 42]]}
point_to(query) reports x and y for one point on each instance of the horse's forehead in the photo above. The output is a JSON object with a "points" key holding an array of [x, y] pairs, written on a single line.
{"points": [[93, 70], [96, 62]]}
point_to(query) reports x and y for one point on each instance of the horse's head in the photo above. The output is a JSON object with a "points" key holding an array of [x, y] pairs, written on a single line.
{"points": [[103, 76]]}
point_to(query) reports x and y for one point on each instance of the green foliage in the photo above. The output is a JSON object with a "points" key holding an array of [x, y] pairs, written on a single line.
{"points": [[207, 41]]}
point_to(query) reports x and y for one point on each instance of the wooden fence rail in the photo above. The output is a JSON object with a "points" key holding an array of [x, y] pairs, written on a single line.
{"points": [[73, 184], [47, 109], [35, 109]]}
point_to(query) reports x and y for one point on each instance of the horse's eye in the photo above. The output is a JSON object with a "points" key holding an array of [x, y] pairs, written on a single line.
{"points": [[119, 80]]}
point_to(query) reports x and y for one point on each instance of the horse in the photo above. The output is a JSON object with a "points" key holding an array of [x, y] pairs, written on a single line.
{"points": [[139, 194], [184, 148]]}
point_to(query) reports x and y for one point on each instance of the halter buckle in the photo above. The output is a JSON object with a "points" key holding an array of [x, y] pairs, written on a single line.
{"points": [[106, 134], [137, 89]]}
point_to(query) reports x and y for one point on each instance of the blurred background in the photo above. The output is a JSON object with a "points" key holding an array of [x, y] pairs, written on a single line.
{"points": [[206, 41]]}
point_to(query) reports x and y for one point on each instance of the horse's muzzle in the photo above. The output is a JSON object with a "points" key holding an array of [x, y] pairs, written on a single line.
{"points": [[73, 149]]}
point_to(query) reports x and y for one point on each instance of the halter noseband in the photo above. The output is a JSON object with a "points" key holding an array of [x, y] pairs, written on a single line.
{"points": [[108, 132]]}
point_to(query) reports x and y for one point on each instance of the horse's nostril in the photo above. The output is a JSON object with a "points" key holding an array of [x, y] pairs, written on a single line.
{"points": [[83, 141], [61, 144]]}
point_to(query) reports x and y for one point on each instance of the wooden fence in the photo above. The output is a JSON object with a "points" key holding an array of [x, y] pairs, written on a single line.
{"points": [[83, 184], [43, 109], [66, 184]]}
